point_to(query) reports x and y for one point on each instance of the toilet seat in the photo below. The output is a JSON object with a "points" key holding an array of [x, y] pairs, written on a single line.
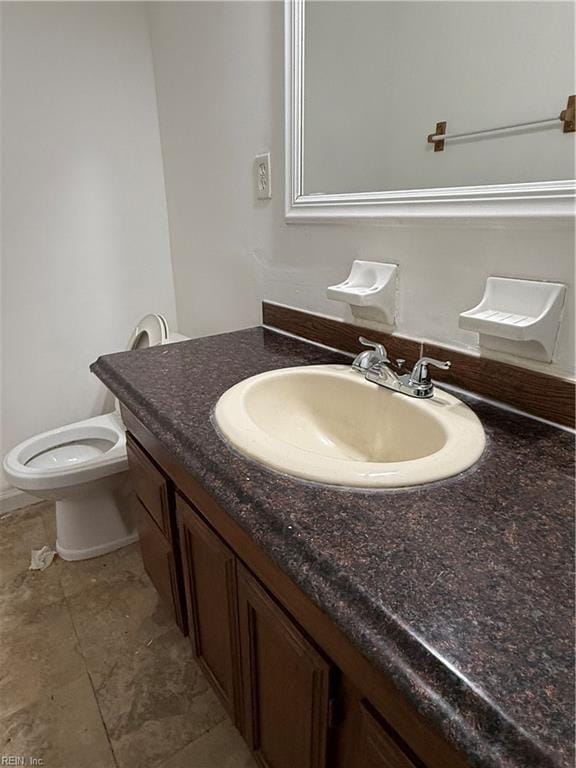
{"points": [[68, 456], [150, 331]]}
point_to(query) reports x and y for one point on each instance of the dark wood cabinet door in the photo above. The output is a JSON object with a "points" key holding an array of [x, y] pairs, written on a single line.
{"points": [[149, 485], [159, 561], [209, 568], [375, 747], [286, 683]]}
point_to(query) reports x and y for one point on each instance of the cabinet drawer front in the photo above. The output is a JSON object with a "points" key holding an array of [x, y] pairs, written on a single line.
{"points": [[286, 683], [158, 561], [210, 580], [149, 485]]}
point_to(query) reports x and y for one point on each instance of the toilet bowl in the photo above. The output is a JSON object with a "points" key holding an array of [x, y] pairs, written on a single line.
{"points": [[83, 468]]}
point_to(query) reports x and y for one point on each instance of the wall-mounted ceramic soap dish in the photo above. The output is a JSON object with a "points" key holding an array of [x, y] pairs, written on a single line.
{"points": [[519, 317], [370, 290]]}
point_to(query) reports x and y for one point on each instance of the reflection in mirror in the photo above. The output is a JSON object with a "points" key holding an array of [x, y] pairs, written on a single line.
{"points": [[379, 76]]}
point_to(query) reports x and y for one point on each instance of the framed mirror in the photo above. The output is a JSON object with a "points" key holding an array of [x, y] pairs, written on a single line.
{"points": [[441, 108]]}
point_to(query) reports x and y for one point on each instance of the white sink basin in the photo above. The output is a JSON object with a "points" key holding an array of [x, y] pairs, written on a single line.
{"points": [[328, 424]]}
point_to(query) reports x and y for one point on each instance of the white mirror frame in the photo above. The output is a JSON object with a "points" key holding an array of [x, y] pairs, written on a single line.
{"points": [[534, 199]]}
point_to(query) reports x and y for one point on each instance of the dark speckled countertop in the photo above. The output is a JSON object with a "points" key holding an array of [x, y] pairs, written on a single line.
{"points": [[461, 591]]}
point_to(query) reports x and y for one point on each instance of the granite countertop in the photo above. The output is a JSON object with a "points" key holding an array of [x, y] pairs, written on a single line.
{"points": [[461, 591]]}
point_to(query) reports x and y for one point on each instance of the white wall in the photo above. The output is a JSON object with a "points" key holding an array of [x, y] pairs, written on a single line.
{"points": [[85, 247], [212, 121], [219, 74]]}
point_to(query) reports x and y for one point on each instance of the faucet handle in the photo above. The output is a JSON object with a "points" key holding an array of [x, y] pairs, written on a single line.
{"points": [[380, 349], [420, 374], [366, 360]]}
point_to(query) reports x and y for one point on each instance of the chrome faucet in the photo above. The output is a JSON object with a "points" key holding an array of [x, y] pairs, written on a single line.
{"points": [[376, 366], [368, 359]]}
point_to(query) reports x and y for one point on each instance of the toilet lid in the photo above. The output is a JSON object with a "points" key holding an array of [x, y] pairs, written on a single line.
{"points": [[150, 331]]}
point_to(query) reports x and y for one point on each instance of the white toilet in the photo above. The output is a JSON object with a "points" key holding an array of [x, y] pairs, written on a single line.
{"points": [[83, 467]]}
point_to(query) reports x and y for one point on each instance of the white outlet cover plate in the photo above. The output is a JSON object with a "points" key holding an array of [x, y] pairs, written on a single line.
{"points": [[262, 177]]}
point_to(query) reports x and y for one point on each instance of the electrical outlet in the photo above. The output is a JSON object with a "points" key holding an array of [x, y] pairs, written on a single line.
{"points": [[262, 179]]}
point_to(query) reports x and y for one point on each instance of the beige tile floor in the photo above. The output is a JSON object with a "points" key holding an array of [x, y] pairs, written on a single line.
{"points": [[93, 672]]}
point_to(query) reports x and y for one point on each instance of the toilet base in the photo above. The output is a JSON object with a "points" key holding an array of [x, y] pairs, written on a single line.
{"points": [[95, 523], [102, 549]]}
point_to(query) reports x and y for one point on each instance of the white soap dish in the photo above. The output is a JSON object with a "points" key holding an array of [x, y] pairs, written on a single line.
{"points": [[370, 290], [519, 317]]}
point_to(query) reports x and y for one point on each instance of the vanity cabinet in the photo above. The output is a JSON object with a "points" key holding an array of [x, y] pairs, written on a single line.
{"points": [[209, 569], [238, 631], [153, 506], [375, 745], [362, 738], [299, 692], [151, 487], [286, 683]]}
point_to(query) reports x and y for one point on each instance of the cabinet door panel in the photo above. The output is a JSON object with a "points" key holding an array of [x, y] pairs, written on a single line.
{"points": [[158, 560], [149, 485], [210, 582], [286, 683], [375, 747]]}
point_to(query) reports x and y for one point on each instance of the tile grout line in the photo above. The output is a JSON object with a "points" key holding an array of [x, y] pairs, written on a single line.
{"points": [[194, 741], [96, 698], [108, 739], [187, 745], [93, 689]]}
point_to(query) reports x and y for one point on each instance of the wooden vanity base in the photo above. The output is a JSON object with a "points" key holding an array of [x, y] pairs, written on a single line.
{"points": [[299, 692]]}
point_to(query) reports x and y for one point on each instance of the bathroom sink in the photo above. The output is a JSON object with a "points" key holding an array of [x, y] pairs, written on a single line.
{"points": [[326, 423]]}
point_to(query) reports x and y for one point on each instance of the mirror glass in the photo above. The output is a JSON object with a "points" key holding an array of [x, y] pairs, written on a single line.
{"points": [[378, 76]]}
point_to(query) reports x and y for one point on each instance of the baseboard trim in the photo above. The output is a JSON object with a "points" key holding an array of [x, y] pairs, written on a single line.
{"points": [[535, 393], [11, 499]]}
